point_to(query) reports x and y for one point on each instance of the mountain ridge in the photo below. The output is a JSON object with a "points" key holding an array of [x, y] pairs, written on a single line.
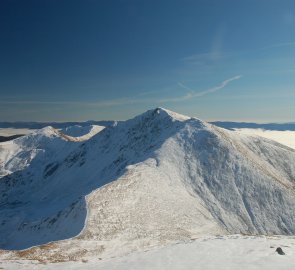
{"points": [[156, 178]]}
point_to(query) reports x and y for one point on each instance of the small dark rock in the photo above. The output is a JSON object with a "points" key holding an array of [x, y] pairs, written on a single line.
{"points": [[280, 251]]}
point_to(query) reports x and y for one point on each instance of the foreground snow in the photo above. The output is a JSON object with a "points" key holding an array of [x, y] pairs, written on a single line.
{"points": [[219, 252]]}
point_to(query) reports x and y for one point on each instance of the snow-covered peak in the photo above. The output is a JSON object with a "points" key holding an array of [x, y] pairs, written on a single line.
{"points": [[174, 115], [38, 136], [18, 154], [80, 133], [46, 131], [162, 113], [155, 122]]}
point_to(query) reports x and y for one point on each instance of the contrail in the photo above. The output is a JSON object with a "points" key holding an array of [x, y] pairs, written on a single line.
{"points": [[193, 94]]}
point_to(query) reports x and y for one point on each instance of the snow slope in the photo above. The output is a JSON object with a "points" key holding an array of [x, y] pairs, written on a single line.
{"points": [[221, 252], [17, 154], [149, 181], [207, 252]]}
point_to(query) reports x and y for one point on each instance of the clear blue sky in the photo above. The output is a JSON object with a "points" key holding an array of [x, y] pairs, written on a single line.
{"points": [[103, 59]]}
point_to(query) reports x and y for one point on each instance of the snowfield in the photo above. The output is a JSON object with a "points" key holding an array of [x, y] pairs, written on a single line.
{"points": [[209, 253], [147, 183]]}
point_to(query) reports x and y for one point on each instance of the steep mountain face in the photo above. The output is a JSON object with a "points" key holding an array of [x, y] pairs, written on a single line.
{"points": [[18, 154], [32, 202], [156, 178]]}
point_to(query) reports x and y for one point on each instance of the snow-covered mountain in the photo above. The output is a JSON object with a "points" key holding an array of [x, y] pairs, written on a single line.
{"points": [[81, 133], [157, 178]]}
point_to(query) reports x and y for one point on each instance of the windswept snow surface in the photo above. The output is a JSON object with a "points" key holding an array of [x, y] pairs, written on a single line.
{"points": [[150, 181]]}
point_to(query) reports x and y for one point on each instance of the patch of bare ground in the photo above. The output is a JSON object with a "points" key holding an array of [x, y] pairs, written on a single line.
{"points": [[51, 253]]}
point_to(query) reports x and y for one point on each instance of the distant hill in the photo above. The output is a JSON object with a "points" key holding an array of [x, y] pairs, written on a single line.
{"points": [[58, 125], [223, 124]]}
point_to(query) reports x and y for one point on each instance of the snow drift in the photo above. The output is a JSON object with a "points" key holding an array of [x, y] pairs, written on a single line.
{"points": [[157, 178]]}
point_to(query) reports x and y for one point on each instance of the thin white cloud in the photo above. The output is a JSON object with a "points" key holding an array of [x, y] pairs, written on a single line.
{"points": [[218, 87], [185, 87], [214, 54], [193, 94]]}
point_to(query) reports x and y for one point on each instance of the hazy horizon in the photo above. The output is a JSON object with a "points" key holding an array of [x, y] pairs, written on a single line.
{"points": [[124, 119]]}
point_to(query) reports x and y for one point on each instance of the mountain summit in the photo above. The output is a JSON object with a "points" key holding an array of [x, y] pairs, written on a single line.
{"points": [[157, 178]]}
